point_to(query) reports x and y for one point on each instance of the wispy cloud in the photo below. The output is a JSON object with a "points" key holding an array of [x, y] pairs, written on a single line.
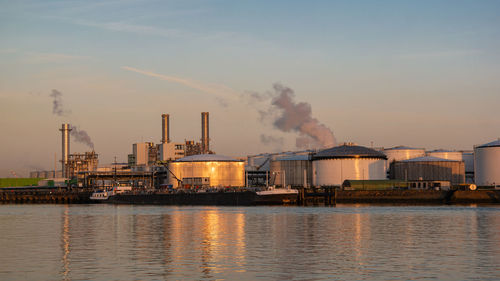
{"points": [[132, 28], [221, 91], [36, 57], [439, 54], [8, 51]]}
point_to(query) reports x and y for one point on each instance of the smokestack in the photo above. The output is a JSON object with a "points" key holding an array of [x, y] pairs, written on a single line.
{"points": [[205, 140], [165, 128], [65, 129]]}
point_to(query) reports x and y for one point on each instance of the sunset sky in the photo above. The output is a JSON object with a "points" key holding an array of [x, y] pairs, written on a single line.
{"points": [[416, 73]]}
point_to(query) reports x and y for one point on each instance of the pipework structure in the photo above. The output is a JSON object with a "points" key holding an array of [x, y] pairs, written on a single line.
{"points": [[205, 140], [65, 132], [165, 125]]}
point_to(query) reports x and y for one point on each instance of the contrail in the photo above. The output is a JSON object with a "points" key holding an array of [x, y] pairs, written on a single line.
{"points": [[221, 91]]}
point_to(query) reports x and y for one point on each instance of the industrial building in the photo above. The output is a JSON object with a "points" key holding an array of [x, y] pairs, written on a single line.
{"points": [[487, 164], [294, 171], [206, 170], [331, 167], [429, 168], [79, 162]]}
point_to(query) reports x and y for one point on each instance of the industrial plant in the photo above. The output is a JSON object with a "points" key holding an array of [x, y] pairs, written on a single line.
{"points": [[191, 166]]}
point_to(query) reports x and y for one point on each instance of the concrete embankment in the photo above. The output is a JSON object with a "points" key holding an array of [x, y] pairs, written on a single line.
{"points": [[307, 197], [475, 196], [391, 196], [44, 196]]}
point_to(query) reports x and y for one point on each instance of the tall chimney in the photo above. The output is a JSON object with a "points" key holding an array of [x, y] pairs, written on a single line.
{"points": [[65, 129], [165, 128], [205, 140]]}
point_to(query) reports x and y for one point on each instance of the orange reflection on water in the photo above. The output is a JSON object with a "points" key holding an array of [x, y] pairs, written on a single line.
{"points": [[65, 246]]}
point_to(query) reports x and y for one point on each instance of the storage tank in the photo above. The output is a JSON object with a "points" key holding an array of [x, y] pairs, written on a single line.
{"points": [[429, 168], [295, 171], [446, 154], [487, 164], [468, 158], [399, 153], [221, 171], [347, 162]]}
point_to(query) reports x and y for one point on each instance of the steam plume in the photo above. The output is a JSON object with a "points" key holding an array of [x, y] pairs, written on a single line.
{"points": [[57, 105], [297, 117], [82, 137], [57, 108]]}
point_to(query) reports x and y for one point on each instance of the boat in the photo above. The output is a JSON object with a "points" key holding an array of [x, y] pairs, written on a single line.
{"points": [[101, 195], [105, 195], [276, 196]]}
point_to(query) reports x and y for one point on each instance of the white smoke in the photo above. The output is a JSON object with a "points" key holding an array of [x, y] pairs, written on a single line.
{"points": [[290, 116]]}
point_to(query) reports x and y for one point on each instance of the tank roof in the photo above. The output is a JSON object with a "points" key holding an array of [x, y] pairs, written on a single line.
{"points": [[348, 151], [295, 158], [443, 150], [207, 158], [491, 144], [402, 147], [429, 159]]}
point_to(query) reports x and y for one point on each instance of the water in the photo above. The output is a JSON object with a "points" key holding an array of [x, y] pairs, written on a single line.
{"points": [[349, 242]]}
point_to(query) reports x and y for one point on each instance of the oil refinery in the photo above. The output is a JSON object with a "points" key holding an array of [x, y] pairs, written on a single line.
{"points": [[191, 166]]}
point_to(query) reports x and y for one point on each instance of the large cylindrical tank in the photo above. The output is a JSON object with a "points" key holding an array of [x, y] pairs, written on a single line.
{"points": [[400, 153], [487, 164], [429, 168], [347, 162], [294, 170], [222, 171], [446, 154]]}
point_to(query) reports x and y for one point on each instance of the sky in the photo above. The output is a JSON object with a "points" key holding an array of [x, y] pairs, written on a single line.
{"points": [[382, 73]]}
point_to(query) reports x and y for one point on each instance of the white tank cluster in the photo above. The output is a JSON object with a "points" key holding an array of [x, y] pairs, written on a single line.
{"points": [[400, 153], [349, 161], [446, 154], [208, 170], [487, 164]]}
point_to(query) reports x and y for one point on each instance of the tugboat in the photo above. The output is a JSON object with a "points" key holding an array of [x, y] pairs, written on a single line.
{"points": [[105, 195], [276, 196]]}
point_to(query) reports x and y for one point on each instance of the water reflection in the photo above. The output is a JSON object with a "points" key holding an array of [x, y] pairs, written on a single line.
{"points": [[175, 243], [65, 243]]}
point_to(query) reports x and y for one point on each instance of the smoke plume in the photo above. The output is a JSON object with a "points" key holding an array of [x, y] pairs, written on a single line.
{"points": [[82, 137], [290, 116], [78, 135], [57, 105]]}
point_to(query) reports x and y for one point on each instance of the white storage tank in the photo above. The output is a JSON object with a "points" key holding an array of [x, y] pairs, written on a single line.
{"points": [[218, 170], [400, 153], [487, 164], [347, 162], [446, 154]]}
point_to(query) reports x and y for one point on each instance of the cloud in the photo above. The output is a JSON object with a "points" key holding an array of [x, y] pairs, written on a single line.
{"points": [[222, 92], [132, 28], [8, 51], [36, 57], [439, 54]]}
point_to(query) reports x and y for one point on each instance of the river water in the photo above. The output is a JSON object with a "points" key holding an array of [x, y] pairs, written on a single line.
{"points": [[346, 242]]}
